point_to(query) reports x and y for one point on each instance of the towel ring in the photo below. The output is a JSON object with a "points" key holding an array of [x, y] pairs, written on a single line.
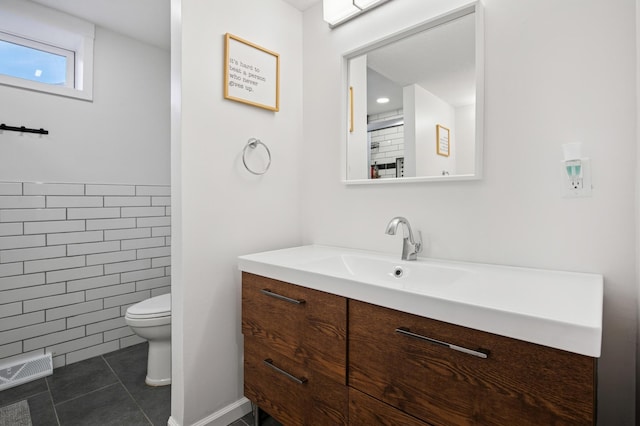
{"points": [[253, 144]]}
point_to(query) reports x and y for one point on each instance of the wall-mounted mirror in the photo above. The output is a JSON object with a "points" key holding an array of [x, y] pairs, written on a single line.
{"points": [[415, 108]]}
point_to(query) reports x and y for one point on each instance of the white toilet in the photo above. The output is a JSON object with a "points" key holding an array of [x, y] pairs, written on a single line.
{"points": [[151, 320]]}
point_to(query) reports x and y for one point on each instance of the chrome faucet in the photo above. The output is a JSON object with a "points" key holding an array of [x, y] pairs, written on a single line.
{"points": [[410, 247]]}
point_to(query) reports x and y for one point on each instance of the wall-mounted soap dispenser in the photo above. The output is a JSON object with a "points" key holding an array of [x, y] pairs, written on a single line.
{"points": [[576, 172]]}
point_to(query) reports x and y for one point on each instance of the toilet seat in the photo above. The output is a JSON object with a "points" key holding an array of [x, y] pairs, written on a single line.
{"points": [[155, 307]]}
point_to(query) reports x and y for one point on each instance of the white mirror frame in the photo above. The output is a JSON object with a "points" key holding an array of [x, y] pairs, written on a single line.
{"points": [[475, 7]]}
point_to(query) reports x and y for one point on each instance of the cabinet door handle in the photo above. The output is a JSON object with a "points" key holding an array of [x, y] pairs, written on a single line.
{"points": [[269, 362], [480, 353], [281, 297]]}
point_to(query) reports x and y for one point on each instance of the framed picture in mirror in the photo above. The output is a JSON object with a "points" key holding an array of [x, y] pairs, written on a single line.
{"points": [[442, 140]]}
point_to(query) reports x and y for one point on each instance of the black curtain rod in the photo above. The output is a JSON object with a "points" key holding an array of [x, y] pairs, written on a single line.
{"points": [[23, 129]]}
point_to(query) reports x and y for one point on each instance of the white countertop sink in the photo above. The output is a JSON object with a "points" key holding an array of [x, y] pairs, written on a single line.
{"points": [[562, 310]]}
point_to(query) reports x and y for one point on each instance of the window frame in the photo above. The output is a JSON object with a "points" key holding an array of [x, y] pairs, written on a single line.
{"points": [[49, 27], [47, 48]]}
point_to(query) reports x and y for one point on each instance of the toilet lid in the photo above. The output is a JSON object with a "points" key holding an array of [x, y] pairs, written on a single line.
{"points": [[159, 306]]}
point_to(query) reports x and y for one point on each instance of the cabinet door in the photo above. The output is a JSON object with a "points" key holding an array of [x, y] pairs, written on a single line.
{"points": [[518, 383], [305, 325], [367, 411], [290, 392]]}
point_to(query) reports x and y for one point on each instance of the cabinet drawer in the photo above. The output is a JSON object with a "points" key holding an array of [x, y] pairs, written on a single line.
{"points": [[290, 392], [305, 325], [517, 383], [367, 411]]}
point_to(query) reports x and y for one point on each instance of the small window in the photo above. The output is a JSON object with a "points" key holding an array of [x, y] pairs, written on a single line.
{"points": [[30, 60], [45, 50]]}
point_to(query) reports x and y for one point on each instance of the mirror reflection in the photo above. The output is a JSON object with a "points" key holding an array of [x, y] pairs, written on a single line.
{"points": [[413, 104]]}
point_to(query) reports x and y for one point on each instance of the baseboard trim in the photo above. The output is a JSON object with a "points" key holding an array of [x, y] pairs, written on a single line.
{"points": [[222, 417]]}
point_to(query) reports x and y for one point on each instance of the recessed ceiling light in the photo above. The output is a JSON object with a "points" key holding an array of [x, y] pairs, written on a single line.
{"points": [[382, 100], [38, 73]]}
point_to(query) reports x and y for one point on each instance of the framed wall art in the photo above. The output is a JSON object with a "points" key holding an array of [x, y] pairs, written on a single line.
{"points": [[251, 74], [442, 140]]}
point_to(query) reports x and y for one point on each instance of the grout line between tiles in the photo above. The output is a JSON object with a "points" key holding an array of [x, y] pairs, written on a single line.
{"points": [[88, 393], [55, 411], [135, 401]]}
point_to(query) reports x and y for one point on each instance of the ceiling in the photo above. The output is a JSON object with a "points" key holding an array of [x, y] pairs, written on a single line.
{"points": [[145, 20], [441, 60]]}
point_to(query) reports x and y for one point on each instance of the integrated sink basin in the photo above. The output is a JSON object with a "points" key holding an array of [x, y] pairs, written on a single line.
{"points": [[413, 276], [559, 309]]}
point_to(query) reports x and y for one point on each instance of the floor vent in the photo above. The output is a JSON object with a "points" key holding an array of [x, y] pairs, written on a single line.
{"points": [[25, 371]]}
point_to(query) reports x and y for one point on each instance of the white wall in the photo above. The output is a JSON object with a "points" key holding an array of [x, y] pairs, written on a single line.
{"points": [[423, 111], [222, 210], [556, 72], [120, 137], [464, 139]]}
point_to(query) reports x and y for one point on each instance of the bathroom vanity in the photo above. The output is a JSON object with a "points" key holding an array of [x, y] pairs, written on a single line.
{"points": [[335, 336]]}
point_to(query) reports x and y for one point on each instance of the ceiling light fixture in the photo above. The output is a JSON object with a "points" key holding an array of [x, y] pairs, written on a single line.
{"points": [[382, 100], [337, 12]]}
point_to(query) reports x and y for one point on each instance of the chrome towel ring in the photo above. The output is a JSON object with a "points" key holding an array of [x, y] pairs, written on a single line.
{"points": [[253, 144]]}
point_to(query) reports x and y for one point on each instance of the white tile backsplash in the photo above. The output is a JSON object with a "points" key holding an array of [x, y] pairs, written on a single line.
{"points": [[127, 201], [31, 215], [23, 294], [153, 221], [92, 317], [142, 243], [91, 248], [10, 309], [142, 211], [127, 234], [10, 229], [154, 252], [74, 345], [75, 273], [94, 282], [53, 264], [72, 310], [54, 226], [93, 213], [53, 201], [53, 188], [21, 320], [10, 188], [22, 241], [53, 338], [73, 257], [21, 202], [116, 256], [19, 281], [9, 269], [111, 223], [17, 255], [53, 301], [112, 290], [110, 190], [153, 190]]}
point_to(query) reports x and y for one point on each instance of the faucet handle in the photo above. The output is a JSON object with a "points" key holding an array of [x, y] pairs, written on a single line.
{"points": [[418, 244]]}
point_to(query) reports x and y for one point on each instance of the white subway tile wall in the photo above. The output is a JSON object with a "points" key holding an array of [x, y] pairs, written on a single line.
{"points": [[387, 145], [73, 258]]}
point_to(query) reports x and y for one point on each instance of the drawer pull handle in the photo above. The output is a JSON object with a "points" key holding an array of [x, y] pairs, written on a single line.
{"points": [[480, 353], [281, 297], [269, 362]]}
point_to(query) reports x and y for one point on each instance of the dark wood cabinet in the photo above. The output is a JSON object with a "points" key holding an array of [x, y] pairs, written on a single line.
{"points": [[295, 351], [517, 383], [402, 369]]}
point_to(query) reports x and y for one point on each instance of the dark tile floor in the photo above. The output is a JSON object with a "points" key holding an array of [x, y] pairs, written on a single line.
{"points": [[105, 390], [248, 420]]}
